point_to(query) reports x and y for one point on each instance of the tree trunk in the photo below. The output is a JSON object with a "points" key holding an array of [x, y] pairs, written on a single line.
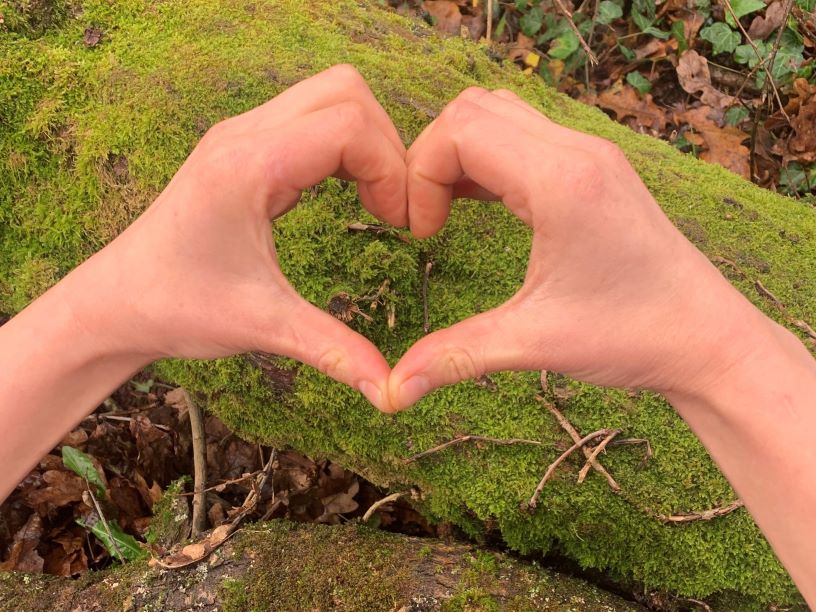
{"points": [[289, 566], [90, 134]]}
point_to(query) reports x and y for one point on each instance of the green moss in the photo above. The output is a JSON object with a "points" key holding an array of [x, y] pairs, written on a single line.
{"points": [[166, 71], [170, 523]]}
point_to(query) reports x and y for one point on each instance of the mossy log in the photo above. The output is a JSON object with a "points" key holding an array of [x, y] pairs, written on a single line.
{"points": [[289, 566], [89, 134]]}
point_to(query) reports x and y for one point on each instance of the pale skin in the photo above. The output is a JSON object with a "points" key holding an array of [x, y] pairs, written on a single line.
{"points": [[614, 294]]}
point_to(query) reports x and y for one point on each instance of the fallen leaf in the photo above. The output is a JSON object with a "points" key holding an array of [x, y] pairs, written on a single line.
{"points": [[447, 15], [774, 17], [724, 144], [92, 36], [624, 101], [694, 77], [75, 438], [24, 556], [523, 47], [60, 488]]}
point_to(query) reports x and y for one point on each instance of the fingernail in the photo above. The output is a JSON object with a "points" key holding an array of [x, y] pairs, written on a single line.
{"points": [[412, 390], [372, 393]]}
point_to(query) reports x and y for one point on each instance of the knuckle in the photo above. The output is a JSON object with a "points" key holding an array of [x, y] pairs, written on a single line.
{"points": [[460, 111], [506, 93], [608, 152], [348, 73], [472, 93], [330, 362], [461, 364], [351, 116]]}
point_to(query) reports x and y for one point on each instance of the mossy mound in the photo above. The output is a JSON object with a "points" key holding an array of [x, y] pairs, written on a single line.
{"points": [[288, 566], [89, 135]]}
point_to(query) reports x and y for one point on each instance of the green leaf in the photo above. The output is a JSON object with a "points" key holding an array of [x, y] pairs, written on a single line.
{"points": [[678, 33], [704, 8], [645, 7], [641, 21], [564, 46], [736, 115], [721, 37], [627, 53], [119, 544], [806, 5], [81, 464], [742, 8], [531, 21], [639, 82], [521, 5], [145, 387], [608, 12], [787, 61]]}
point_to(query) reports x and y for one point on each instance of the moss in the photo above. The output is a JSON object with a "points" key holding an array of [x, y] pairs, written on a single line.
{"points": [[171, 516], [165, 71]]}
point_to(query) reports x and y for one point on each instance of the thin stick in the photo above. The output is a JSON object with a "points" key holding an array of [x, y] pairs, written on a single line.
{"points": [[426, 325], [595, 452], [565, 11], [550, 470], [765, 292], [199, 466], [379, 503], [115, 417], [573, 433], [225, 483], [759, 56], [774, 51], [704, 515], [489, 19], [105, 524], [469, 438]]}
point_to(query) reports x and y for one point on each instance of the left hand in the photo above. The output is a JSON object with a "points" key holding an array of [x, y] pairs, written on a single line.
{"points": [[197, 276]]}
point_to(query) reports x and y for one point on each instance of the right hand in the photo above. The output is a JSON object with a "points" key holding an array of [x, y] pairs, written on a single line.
{"points": [[614, 294]]}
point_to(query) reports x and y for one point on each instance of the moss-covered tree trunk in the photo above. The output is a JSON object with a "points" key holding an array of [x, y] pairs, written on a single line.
{"points": [[286, 566], [89, 135]]}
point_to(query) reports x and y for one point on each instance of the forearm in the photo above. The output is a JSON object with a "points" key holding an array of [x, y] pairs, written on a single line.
{"points": [[57, 366], [758, 422]]}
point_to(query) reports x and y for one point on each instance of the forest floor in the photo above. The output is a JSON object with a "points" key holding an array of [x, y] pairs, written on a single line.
{"points": [[732, 82]]}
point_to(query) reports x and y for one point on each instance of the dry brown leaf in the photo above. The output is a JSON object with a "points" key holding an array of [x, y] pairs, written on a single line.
{"points": [[522, 48], [75, 438], [475, 23], [447, 15], [24, 556], [724, 144], [624, 101], [193, 553], [762, 26], [801, 145], [656, 49], [694, 78], [59, 489]]}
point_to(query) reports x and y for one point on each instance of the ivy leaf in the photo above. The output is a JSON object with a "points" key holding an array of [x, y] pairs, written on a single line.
{"points": [[742, 8], [564, 46], [627, 52], [82, 465], [736, 115], [721, 37], [678, 33], [639, 82], [608, 12], [531, 21], [787, 61], [119, 544], [521, 5]]}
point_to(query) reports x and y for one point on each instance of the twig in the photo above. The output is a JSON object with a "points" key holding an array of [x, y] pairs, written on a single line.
{"points": [[703, 605], [768, 74], [565, 11], [489, 19], [772, 56], [115, 417], [550, 470], [221, 485], [199, 466], [704, 515], [379, 503], [426, 325], [765, 292], [367, 227], [804, 327], [469, 438], [594, 455], [573, 433], [105, 523]]}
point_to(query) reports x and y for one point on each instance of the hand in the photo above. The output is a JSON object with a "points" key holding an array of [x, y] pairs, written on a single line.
{"points": [[613, 295], [197, 276]]}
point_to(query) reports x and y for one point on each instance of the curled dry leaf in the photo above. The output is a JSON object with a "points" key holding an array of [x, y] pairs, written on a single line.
{"points": [[762, 26], [193, 553], [522, 48], [694, 78], [59, 488], [447, 15], [24, 556], [724, 144]]}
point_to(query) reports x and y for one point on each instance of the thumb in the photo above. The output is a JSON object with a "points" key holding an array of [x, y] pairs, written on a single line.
{"points": [[487, 342], [317, 339]]}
